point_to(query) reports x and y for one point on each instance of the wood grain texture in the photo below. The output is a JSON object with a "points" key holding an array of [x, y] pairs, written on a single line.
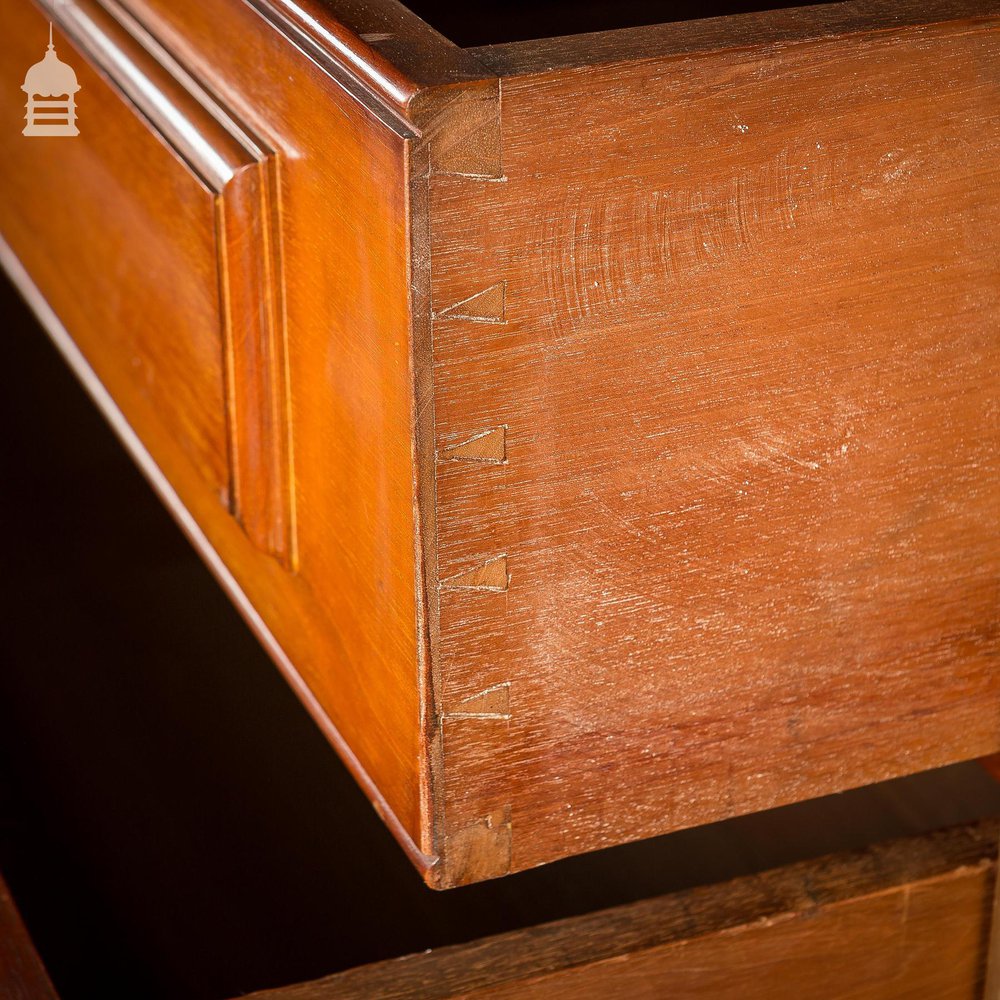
{"points": [[252, 290], [905, 919], [113, 240], [748, 368], [22, 974], [379, 51], [237, 174], [76, 221], [638, 410]]}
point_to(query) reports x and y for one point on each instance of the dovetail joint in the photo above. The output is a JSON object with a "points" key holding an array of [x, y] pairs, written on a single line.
{"points": [[491, 576]]}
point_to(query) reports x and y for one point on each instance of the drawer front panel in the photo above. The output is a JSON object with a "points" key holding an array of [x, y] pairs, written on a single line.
{"points": [[231, 222], [150, 235]]}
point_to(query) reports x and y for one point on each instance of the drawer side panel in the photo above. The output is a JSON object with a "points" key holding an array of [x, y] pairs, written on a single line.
{"points": [[736, 319]]}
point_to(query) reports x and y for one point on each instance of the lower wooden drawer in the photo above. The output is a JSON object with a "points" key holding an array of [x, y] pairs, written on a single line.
{"points": [[910, 918]]}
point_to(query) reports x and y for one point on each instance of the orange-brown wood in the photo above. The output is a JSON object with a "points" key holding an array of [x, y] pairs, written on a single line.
{"points": [[112, 236], [220, 248], [745, 353], [907, 919], [764, 25], [991, 988], [22, 973], [991, 765], [120, 236], [620, 411]]}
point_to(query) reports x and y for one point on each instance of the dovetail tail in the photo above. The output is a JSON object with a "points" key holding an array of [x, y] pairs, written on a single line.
{"points": [[486, 447], [487, 306], [493, 703], [490, 575]]}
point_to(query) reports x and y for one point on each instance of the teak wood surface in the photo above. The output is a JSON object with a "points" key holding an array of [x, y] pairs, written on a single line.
{"points": [[908, 919], [605, 428]]}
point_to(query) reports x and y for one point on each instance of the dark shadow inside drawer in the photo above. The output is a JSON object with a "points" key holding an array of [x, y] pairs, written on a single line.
{"points": [[496, 21]]}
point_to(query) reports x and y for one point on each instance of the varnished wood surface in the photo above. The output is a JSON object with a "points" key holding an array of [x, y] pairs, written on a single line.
{"points": [[742, 340], [77, 223], [906, 919], [22, 974], [346, 620], [629, 413], [240, 175]]}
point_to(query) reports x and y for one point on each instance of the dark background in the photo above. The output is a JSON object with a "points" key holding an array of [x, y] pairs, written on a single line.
{"points": [[172, 824], [489, 22]]}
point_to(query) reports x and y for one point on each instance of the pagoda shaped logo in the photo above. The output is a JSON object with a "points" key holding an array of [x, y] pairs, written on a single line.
{"points": [[51, 87]]}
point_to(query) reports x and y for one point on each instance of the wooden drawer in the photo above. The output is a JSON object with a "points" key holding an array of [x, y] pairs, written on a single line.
{"points": [[621, 408], [905, 919]]}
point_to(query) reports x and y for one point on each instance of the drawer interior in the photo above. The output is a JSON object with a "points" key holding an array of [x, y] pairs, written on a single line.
{"points": [[494, 22], [172, 824]]}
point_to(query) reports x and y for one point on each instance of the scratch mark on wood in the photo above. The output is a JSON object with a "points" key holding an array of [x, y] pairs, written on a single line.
{"points": [[487, 447], [617, 246], [491, 575], [487, 306]]}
